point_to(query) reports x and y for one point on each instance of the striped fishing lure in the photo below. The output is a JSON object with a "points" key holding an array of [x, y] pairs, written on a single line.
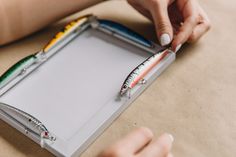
{"points": [[138, 74]]}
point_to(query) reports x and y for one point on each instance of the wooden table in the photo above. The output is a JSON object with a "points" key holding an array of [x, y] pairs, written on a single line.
{"points": [[194, 99]]}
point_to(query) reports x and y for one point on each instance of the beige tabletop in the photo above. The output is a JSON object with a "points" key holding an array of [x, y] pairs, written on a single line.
{"points": [[194, 99]]}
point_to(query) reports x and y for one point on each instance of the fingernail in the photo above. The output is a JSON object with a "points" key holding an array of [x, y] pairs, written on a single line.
{"points": [[165, 39], [171, 137], [178, 47]]}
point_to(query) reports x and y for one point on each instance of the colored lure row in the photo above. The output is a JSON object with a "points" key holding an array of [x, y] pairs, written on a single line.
{"points": [[130, 82]]}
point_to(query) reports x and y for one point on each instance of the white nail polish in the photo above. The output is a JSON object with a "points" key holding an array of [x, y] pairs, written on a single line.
{"points": [[178, 47], [171, 137], [165, 39]]}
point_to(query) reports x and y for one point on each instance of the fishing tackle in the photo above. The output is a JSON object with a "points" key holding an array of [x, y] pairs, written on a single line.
{"points": [[21, 66], [107, 26], [138, 74], [30, 123], [17, 69], [125, 32], [69, 28]]}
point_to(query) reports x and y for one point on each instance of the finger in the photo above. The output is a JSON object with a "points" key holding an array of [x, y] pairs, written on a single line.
{"points": [[160, 148], [170, 155], [185, 31], [159, 11], [134, 141], [199, 31], [203, 26]]}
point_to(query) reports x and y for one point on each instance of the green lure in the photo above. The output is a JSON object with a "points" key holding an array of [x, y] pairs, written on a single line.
{"points": [[17, 69]]}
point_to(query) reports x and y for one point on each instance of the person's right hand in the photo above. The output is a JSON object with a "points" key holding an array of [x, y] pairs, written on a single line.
{"points": [[140, 143], [176, 21]]}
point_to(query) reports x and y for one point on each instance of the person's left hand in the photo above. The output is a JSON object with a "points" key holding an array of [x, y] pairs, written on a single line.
{"points": [[140, 143]]}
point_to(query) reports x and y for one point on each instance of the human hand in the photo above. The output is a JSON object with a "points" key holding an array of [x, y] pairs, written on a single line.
{"points": [[140, 143], [178, 21]]}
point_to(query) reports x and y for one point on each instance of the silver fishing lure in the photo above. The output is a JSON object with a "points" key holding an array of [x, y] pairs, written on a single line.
{"points": [[30, 123], [138, 74]]}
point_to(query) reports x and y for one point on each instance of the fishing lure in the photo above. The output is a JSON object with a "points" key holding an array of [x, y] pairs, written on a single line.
{"points": [[69, 28], [17, 69], [30, 123], [125, 32], [138, 74]]}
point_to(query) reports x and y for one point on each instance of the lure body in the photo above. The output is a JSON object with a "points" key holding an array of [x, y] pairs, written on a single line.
{"points": [[125, 32], [141, 71], [17, 69], [69, 28], [30, 123]]}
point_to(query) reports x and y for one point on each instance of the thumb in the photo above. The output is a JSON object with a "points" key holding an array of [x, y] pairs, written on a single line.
{"points": [[159, 11]]}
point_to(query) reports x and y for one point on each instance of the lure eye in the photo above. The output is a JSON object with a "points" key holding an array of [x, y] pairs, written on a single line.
{"points": [[125, 87]]}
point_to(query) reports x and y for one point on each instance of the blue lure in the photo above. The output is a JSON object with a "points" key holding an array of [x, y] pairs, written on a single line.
{"points": [[125, 32]]}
